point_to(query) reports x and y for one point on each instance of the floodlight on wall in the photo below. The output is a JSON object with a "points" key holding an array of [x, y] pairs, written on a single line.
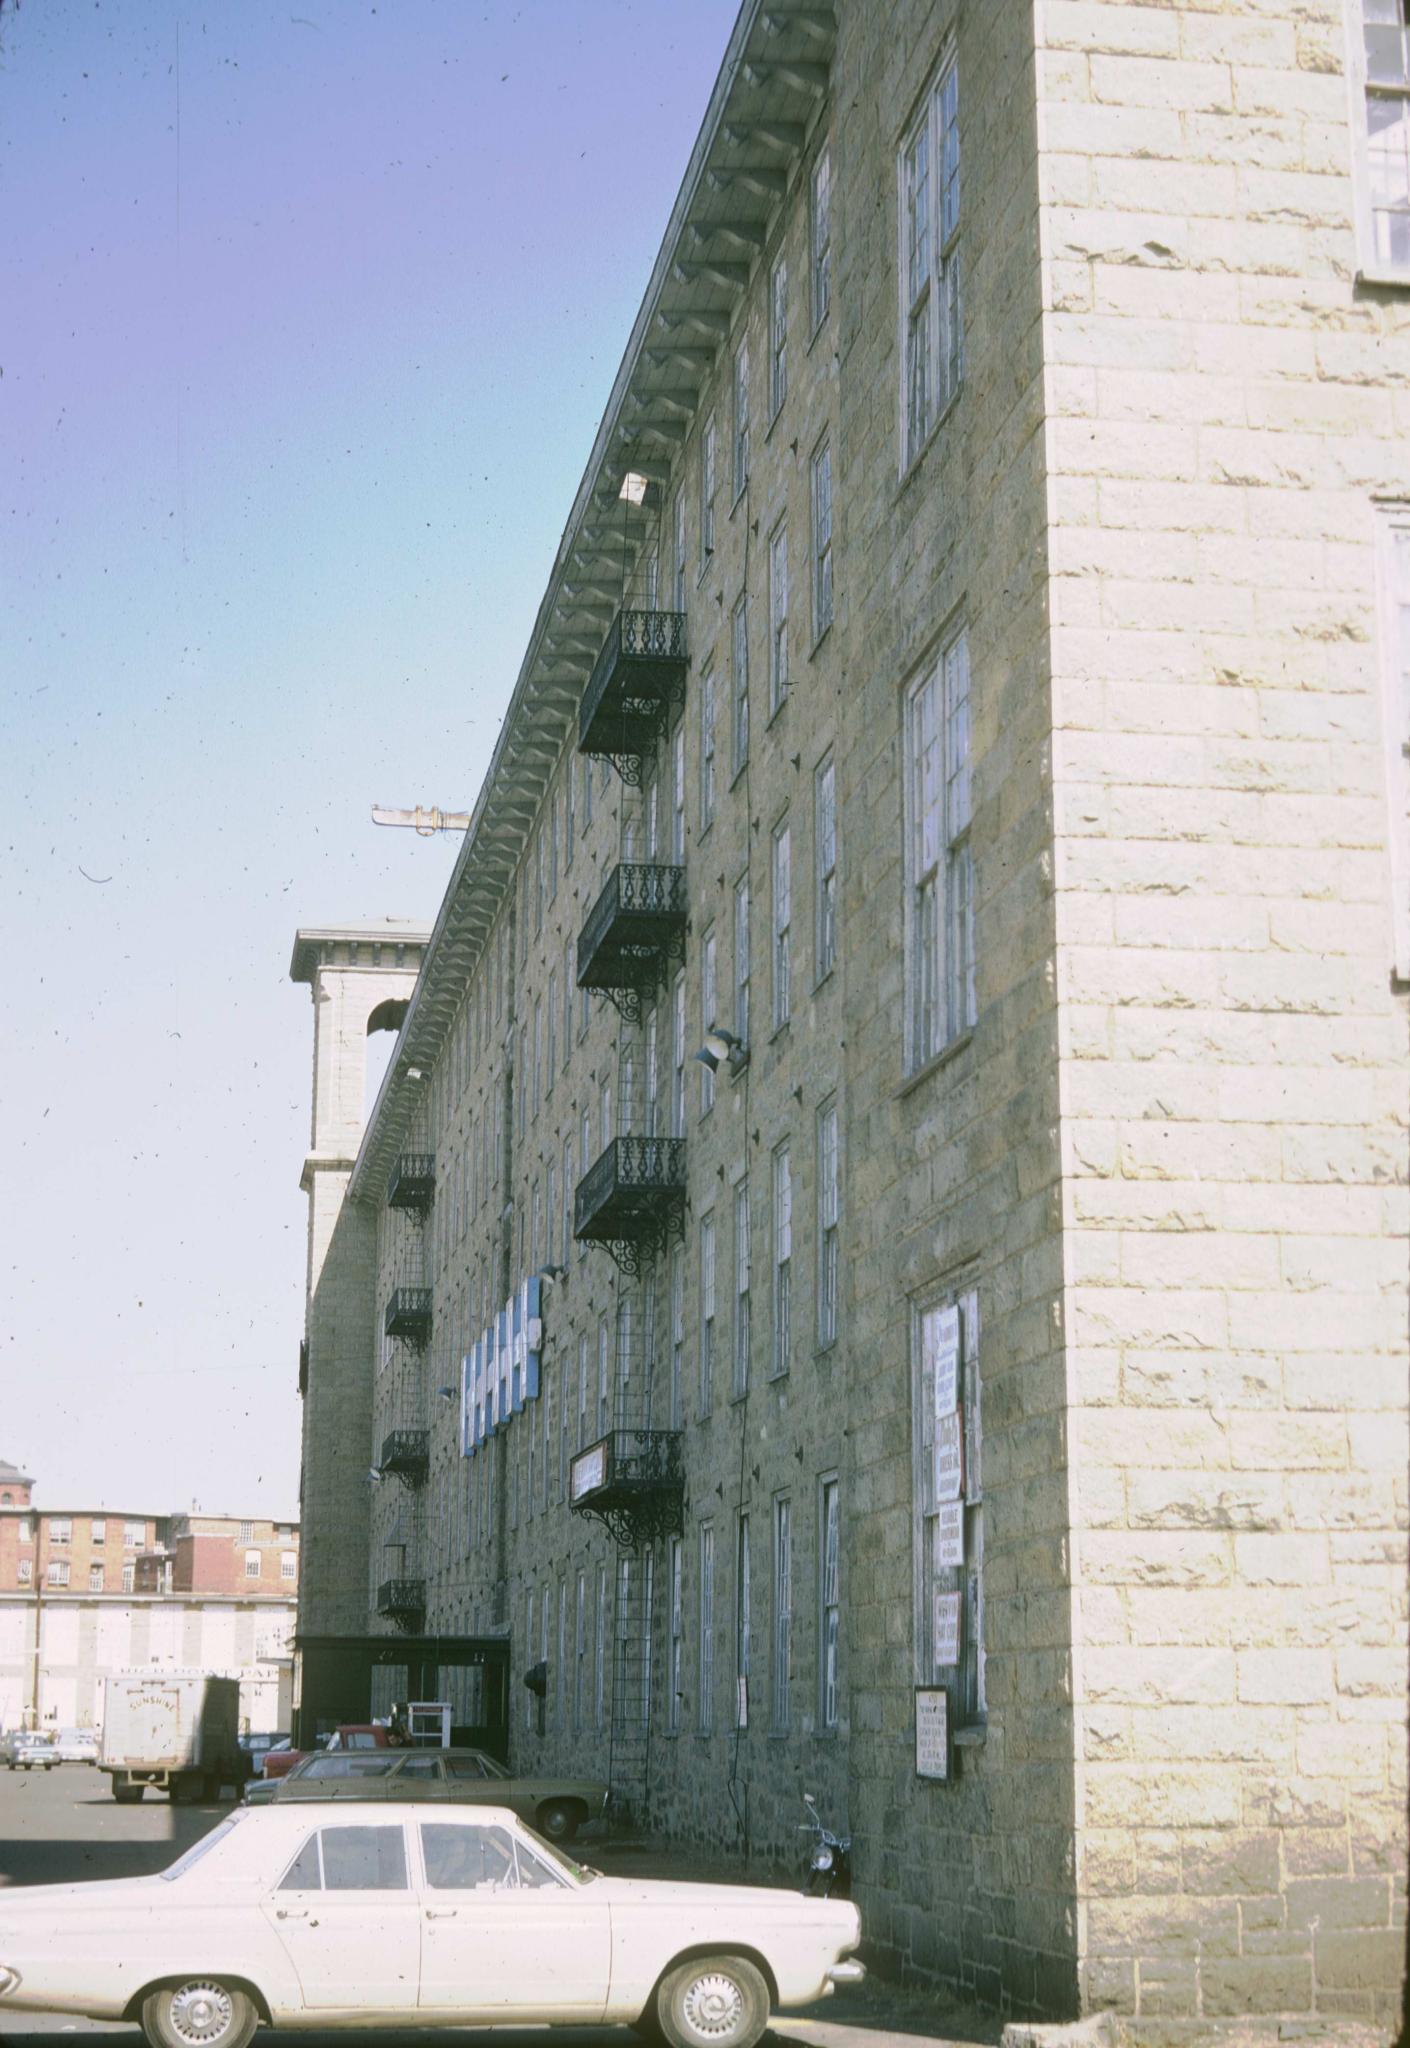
{"points": [[722, 1045], [634, 488], [375, 1475], [415, 1074], [551, 1273], [446, 1393]]}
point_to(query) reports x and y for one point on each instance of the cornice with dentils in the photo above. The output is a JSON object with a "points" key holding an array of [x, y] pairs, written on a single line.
{"points": [[762, 110]]}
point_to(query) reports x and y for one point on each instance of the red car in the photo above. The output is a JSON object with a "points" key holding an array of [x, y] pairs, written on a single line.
{"points": [[352, 1735]]}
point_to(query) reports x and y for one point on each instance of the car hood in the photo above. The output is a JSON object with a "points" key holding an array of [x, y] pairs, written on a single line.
{"points": [[756, 1898], [31, 1901]]}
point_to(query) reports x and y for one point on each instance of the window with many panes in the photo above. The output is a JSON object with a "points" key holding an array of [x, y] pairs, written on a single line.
{"points": [[677, 1338], [825, 864], [782, 863], [678, 1057], [739, 686], [782, 1259], [1381, 156], [677, 1632], [706, 1701], [709, 997], [707, 749], [929, 181], [739, 466], [822, 540], [707, 493], [781, 1671], [1393, 522], [742, 1296], [820, 236], [829, 1209], [940, 875], [677, 562], [742, 1604], [778, 618], [948, 1502], [60, 1529], [708, 1306], [678, 795], [778, 337], [829, 1600], [741, 960]]}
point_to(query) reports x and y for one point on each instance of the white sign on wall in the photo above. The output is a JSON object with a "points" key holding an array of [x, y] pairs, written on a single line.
{"points": [[949, 1456], [949, 1534], [945, 1632], [932, 1732]]}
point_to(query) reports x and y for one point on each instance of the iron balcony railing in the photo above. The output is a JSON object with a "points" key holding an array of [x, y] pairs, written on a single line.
{"points": [[635, 928], [636, 681], [398, 1597], [406, 1452], [630, 1188], [409, 1313], [634, 1481], [413, 1181]]}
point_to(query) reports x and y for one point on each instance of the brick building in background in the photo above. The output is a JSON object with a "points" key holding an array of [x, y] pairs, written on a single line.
{"points": [[84, 1593], [972, 675]]}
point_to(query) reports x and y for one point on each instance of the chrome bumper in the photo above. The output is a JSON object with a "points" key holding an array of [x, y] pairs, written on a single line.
{"points": [[848, 1972]]}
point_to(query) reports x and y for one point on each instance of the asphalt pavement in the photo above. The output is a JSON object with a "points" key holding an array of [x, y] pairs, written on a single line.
{"points": [[63, 1827]]}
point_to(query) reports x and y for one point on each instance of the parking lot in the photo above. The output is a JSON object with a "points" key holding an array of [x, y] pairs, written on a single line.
{"points": [[63, 1827]]}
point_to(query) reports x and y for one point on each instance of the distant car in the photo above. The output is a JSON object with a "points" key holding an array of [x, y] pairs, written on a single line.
{"points": [[254, 1747], [283, 1758], [404, 1916], [556, 1806], [23, 1748], [76, 1746]]}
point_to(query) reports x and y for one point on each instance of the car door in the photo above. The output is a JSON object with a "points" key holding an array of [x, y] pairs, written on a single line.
{"points": [[505, 1934], [348, 1919]]}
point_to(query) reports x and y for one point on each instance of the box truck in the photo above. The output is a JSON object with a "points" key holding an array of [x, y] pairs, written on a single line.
{"points": [[177, 1731]]}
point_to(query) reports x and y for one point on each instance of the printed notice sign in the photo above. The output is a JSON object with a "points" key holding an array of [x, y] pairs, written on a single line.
{"points": [[932, 1732], [949, 1456], [949, 1534], [947, 1361], [945, 1631]]}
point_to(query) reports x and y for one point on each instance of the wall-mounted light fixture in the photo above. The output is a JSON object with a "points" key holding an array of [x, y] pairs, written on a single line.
{"points": [[722, 1045]]}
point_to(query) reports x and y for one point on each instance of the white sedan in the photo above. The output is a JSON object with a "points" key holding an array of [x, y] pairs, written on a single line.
{"points": [[378, 1916]]}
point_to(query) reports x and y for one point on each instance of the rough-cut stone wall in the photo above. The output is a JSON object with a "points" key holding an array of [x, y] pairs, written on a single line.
{"points": [[1221, 411], [953, 1176]]}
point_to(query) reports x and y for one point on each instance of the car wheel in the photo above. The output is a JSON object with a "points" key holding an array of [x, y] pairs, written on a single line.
{"points": [[199, 2012], [558, 1819], [713, 2002]]}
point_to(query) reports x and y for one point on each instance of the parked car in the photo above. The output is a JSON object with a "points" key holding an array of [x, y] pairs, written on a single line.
{"points": [[76, 1746], [556, 1806], [398, 1917], [23, 1748], [256, 1747], [284, 1758]]}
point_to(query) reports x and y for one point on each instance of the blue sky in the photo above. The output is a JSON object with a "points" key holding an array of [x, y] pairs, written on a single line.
{"points": [[307, 318]]}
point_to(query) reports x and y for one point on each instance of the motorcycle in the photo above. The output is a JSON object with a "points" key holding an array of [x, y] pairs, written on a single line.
{"points": [[829, 1857]]}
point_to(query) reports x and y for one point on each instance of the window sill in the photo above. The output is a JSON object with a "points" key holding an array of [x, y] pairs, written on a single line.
{"points": [[738, 499], [817, 643], [934, 1064], [1371, 278], [778, 710], [785, 1024], [973, 1737], [817, 330], [774, 419]]}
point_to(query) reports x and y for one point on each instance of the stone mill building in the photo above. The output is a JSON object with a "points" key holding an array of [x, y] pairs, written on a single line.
{"points": [[969, 702]]}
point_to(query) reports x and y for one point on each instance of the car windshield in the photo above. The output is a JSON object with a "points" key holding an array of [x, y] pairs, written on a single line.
{"points": [[202, 1848], [581, 1873], [493, 1768]]}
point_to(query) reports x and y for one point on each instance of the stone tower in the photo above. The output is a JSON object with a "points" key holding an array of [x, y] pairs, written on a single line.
{"points": [[361, 977]]}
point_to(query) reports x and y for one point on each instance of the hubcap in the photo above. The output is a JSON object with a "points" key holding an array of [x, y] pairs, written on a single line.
{"points": [[202, 2013], [714, 2006]]}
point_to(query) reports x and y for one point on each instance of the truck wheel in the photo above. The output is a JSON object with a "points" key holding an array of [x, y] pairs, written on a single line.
{"points": [[127, 1795], [713, 2002], [558, 1819], [198, 2012]]}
